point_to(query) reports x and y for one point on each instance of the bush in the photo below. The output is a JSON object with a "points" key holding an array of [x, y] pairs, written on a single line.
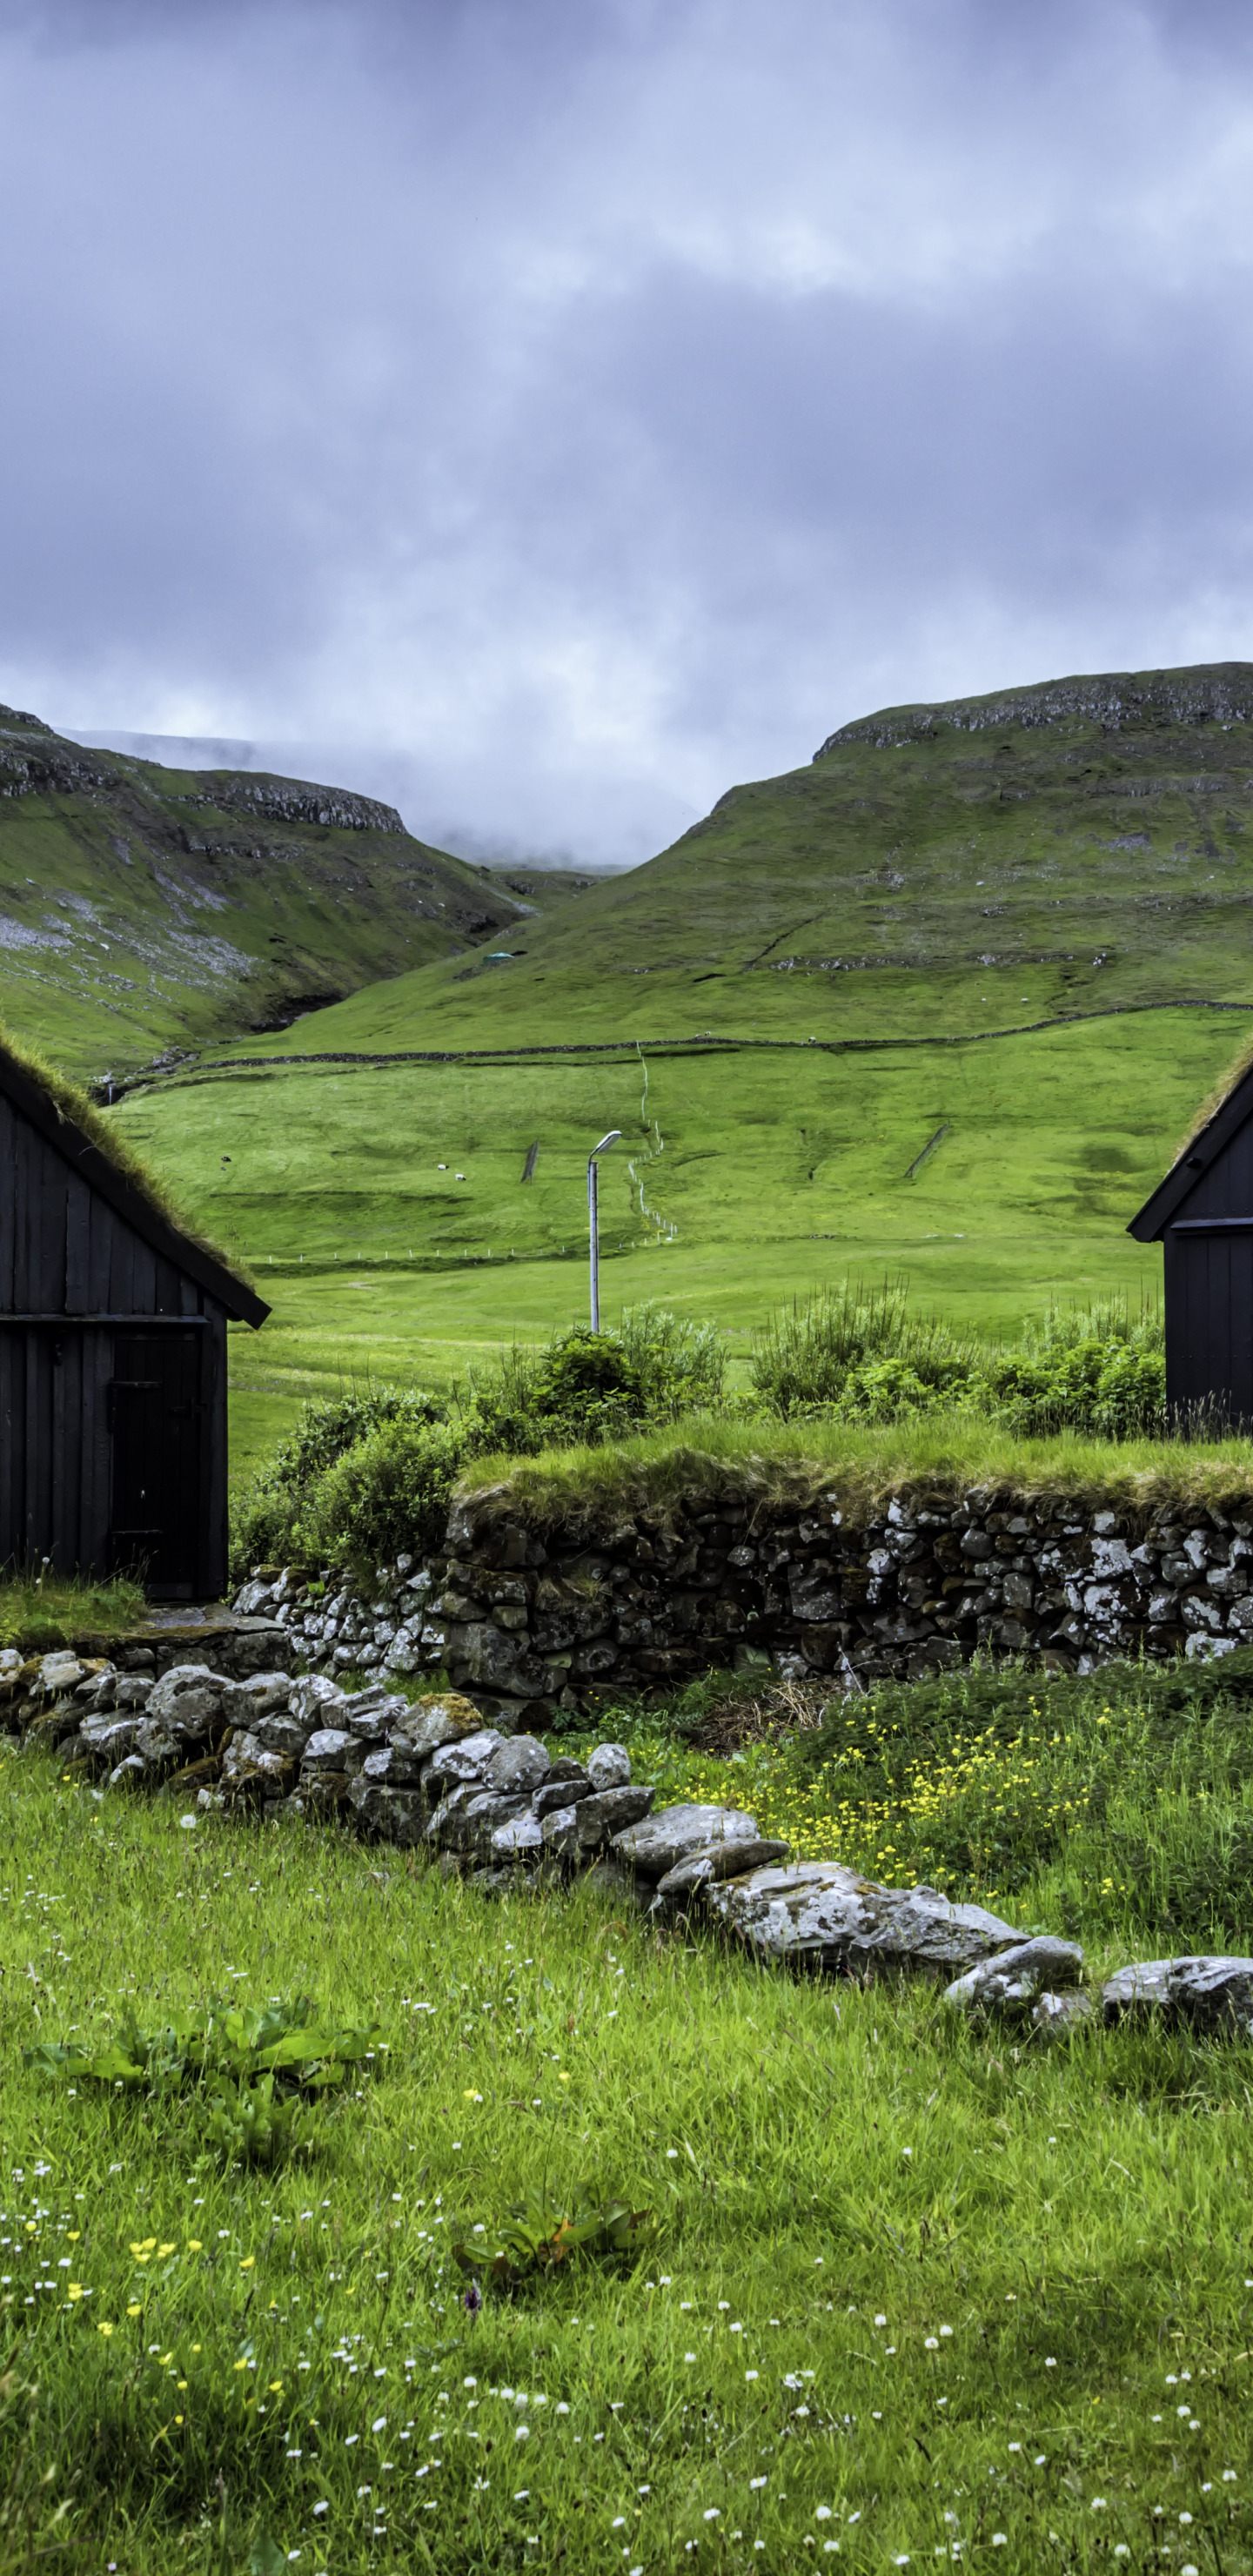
{"points": [[367, 1477], [860, 1352], [588, 1386], [276, 1515], [864, 1357], [386, 1495]]}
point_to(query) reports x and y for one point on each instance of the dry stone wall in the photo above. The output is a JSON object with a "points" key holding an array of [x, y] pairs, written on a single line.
{"points": [[535, 1620], [503, 1812]]}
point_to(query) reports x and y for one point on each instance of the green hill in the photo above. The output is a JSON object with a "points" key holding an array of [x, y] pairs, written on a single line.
{"points": [[1072, 847], [144, 909], [943, 1002]]}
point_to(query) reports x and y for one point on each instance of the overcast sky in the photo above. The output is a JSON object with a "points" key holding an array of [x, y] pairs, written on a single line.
{"points": [[552, 411]]}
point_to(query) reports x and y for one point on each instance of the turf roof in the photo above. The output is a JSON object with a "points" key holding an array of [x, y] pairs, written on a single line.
{"points": [[74, 1109]]}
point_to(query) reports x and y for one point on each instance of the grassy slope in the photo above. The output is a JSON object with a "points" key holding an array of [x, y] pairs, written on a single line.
{"points": [[775, 1173], [913, 2286], [962, 882], [142, 907], [747, 1176]]}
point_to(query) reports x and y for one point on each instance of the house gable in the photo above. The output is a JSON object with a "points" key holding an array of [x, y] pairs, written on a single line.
{"points": [[56, 1257]]}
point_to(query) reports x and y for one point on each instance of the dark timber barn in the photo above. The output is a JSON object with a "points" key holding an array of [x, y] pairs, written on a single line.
{"points": [[1202, 1215], [113, 1446]]}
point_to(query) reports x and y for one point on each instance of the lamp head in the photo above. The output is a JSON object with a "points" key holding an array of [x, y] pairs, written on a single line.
{"points": [[614, 1137]]}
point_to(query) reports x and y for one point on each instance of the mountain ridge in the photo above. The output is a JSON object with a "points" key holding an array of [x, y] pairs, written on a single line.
{"points": [[144, 908], [1196, 693], [1114, 862]]}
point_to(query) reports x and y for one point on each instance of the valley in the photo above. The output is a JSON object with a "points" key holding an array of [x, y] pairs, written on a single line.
{"points": [[938, 1004]]}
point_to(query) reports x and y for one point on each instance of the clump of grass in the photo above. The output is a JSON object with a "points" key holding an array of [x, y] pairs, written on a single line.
{"points": [[39, 1610], [1118, 1802], [544, 2231], [812, 1352], [860, 1465], [865, 1355]]}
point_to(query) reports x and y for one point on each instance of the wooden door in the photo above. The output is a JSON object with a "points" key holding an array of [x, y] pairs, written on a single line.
{"points": [[158, 1419]]}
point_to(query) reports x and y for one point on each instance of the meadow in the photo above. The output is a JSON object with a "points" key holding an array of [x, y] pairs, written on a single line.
{"points": [[916, 2291], [742, 1180]]}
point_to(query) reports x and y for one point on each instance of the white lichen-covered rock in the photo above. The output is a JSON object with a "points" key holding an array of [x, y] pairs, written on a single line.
{"points": [[332, 1748], [608, 1812], [108, 1738], [256, 1697], [394, 1765], [579, 1831], [609, 1766], [1062, 2011], [395, 1815], [466, 1760], [563, 1791], [1013, 1982], [432, 1723], [520, 1840], [676, 1833], [559, 1833], [246, 1758], [158, 1747], [313, 1697], [280, 1733], [709, 1867], [519, 1767], [822, 1915], [62, 1671], [187, 1700], [371, 1714], [1207, 1994]]}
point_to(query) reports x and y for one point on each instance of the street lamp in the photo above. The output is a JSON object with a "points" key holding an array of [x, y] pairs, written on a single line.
{"points": [[613, 1138]]}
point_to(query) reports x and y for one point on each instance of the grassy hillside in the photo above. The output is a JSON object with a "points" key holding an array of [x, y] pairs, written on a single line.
{"points": [[987, 1127], [761, 1174], [144, 908], [1073, 848]]}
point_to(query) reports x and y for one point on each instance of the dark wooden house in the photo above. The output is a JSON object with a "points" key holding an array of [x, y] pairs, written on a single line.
{"points": [[113, 1444], [1202, 1215]]}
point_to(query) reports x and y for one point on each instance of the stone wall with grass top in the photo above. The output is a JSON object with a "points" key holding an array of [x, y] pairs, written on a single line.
{"points": [[541, 1612]]}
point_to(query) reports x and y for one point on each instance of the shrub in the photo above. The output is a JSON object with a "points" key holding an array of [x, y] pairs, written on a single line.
{"points": [[862, 1355], [387, 1494], [273, 1515], [588, 1386], [859, 1350]]}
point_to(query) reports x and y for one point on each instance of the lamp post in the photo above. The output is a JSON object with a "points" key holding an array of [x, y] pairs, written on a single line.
{"points": [[612, 1138]]}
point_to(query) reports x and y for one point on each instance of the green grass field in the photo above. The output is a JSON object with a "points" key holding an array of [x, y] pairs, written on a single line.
{"points": [[913, 1009], [761, 1175], [918, 2292]]}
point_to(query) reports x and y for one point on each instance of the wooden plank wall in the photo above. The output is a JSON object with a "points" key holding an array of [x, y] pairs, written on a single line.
{"points": [[65, 1252], [1209, 1294]]}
